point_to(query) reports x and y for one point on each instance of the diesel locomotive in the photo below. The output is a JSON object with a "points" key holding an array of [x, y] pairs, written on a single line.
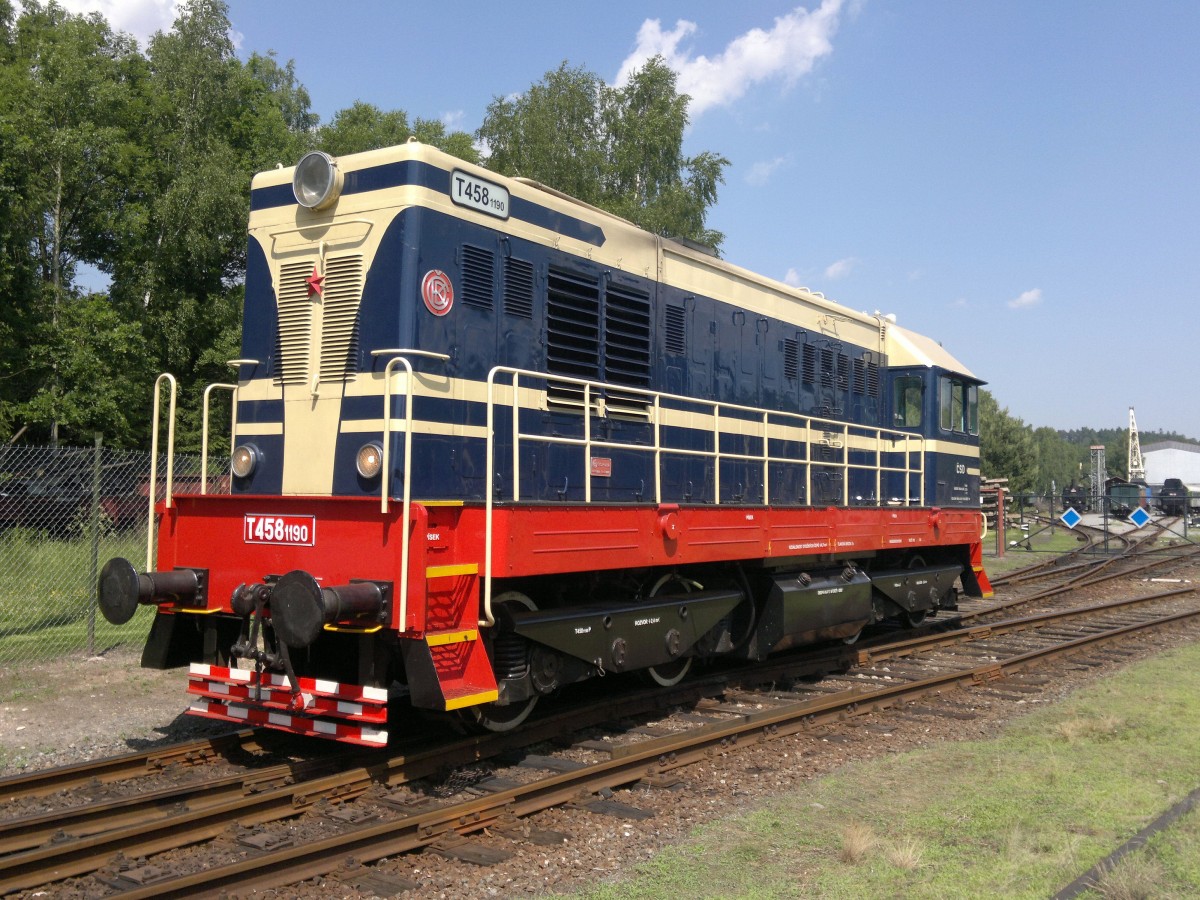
{"points": [[490, 441]]}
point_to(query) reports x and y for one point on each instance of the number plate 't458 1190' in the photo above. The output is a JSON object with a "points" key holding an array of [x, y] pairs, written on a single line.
{"points": [[266, 529]]}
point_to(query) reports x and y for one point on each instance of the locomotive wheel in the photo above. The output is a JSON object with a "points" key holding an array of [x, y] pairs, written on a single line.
{"points": [[671, 673], [493, 716], [917, 616]]}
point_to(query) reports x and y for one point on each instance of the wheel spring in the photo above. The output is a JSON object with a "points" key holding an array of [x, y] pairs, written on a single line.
{"points": [[511, 656]]}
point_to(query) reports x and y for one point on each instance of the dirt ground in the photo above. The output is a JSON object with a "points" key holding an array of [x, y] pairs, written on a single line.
{"points": [[79, 708]]}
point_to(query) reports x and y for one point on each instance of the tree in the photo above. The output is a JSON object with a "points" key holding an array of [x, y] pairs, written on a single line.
{"points": [[651, 182], [289, 94], [364, 126], [1006, 446], [1060, 464], [140, 165], [96, 351], [210, 124], [617, 148], [71, 88]]}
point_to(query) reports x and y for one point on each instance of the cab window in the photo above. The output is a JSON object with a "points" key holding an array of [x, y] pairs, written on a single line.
{"points": [[909, 401], [958, 405]]}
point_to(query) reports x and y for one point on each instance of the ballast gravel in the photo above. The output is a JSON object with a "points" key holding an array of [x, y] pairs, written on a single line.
{"points": [[77, 709]]}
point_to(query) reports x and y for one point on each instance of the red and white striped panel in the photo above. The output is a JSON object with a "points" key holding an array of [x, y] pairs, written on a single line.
{"points": [[265, 718], [319, 700]]}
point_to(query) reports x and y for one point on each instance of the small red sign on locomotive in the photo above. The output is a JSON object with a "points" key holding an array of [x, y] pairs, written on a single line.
{"points": [[300, 531], [601, 467], [437, 292]]}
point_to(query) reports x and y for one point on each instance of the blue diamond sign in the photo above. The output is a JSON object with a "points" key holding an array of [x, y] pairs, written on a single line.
{"points": [[1139, 517], [1071, 517]]}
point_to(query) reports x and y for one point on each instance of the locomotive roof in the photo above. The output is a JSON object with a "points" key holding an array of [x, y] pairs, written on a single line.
{"points": [[620, 244], [907, 348]]}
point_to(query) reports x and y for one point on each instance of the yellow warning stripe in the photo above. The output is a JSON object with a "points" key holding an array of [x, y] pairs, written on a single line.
{"points": [[452, 637], [472, 699], [447, 571]]}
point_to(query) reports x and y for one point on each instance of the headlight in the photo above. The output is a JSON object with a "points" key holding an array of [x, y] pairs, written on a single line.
{"points": [[245, 460], [318, 180], [369, 460]]}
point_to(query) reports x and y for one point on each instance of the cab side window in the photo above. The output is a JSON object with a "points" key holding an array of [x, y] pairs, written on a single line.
{"points": [[958, 405], [909, 399]]}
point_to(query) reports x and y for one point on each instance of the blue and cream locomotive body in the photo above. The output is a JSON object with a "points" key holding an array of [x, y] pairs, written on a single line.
{"points": [[490, 441]]}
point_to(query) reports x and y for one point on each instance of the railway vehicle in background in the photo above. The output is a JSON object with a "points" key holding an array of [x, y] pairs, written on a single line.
{"points": [[491, 441], [1175, 498], [1125, 496], [1075, 497]]}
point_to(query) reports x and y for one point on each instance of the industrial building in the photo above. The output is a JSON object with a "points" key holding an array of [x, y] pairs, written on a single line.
{"points": [[1172, 459]]}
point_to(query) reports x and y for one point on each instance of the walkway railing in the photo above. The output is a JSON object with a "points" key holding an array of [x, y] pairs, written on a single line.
{"points": [[516, 390]]}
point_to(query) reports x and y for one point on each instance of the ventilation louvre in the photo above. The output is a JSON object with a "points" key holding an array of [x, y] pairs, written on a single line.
{"points": [[479, 276], [627, 348], [675, 340], [295, 323], [572, 335], [518, 288], [299, 306], [810, 364], [339, 320], [791, 358]]}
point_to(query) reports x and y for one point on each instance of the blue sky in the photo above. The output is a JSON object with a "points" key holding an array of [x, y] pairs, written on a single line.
{"points": [[1018, 179]]}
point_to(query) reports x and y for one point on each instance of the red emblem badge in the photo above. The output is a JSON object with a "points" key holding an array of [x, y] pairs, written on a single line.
{"points": [[437, 292], [316, 283]]}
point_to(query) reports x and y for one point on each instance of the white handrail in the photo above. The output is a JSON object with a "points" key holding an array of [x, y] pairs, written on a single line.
{"points": [[763, 420], [233, 389], [170, 379], [398, 358]]}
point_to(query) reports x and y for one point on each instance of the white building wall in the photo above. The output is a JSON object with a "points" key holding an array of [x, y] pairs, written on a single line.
{"points": [[1172, 463]]}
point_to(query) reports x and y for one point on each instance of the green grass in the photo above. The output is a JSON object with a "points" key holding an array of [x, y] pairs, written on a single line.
{"points": [[47, 599], [1168, 866], [1043, 543], [1019, 816]]}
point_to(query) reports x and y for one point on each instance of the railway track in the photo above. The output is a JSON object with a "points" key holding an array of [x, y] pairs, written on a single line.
{"points": [[378, 809], [112, 770], [1073, 572]]}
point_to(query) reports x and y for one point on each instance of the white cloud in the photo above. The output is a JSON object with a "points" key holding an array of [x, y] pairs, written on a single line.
{"points": [[793, 278], [840, 269], [789, 50], [760, 173], [1026, 300], [453, 120], [141, 18]]}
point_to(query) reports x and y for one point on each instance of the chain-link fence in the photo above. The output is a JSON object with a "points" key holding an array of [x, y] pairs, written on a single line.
{"points": [[64, 512]]}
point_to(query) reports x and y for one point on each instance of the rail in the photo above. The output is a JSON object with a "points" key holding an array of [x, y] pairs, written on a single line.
{"points": [[754, 423]]}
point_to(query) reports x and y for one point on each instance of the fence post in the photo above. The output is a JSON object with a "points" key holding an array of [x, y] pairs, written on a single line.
{"points": [[92, 586], [1001, 531]]}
